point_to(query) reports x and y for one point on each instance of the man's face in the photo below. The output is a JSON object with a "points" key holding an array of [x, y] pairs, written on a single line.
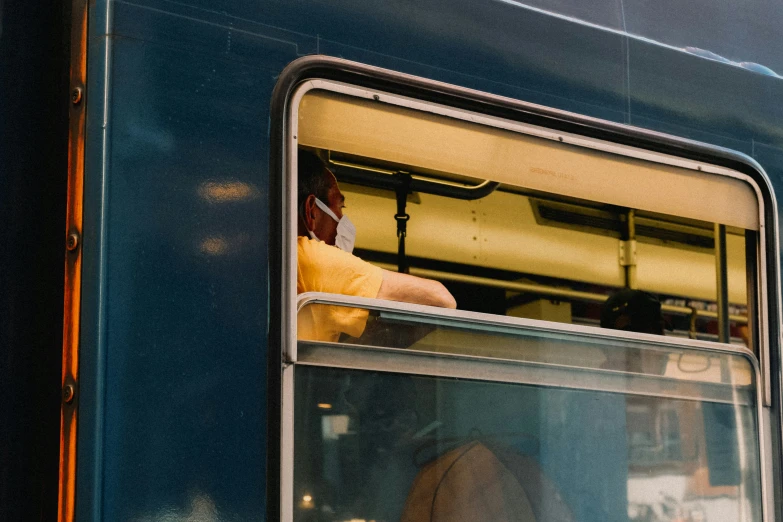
{"points": [[324, 227]]}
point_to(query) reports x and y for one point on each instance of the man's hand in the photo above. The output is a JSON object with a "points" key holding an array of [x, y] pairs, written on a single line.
{"points": [[411, 289]]}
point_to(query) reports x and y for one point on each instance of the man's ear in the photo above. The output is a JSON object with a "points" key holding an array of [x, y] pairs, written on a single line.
{"points": [[309, 212]]}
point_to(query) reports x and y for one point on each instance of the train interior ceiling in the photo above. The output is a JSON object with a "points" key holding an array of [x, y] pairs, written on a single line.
{"points": [[526, 225]]}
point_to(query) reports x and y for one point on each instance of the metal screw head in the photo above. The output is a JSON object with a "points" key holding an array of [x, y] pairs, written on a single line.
{"points": [[72, 242], [68, 393], [76, 95]]}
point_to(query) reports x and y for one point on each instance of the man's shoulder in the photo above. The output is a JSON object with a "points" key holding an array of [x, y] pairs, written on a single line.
{"points": [[306, 245], [308, 248], [326, 268], [312, 252]]}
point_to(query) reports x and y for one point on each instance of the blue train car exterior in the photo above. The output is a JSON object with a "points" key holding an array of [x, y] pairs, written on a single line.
{"points": [[173, 337]]}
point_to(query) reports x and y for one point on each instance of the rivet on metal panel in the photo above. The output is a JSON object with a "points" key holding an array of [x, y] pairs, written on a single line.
{"points": [[76, 95], [72, 242], [68, 393]]}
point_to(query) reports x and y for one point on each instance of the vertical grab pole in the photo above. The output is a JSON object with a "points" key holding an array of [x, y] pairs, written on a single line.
{"points": [[751, 271], [628, 248], [692, 334], [721, 274], [402, 190]]}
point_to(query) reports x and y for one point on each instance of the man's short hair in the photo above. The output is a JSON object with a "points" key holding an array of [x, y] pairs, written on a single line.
{"points": [[312, 179]]}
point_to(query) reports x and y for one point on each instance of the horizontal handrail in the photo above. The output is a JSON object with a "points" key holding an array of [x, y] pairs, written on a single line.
{"points": [[386, 179], [549, 291]]}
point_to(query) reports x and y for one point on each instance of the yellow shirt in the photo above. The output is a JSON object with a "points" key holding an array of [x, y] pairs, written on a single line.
{"points": [[325, 268]]}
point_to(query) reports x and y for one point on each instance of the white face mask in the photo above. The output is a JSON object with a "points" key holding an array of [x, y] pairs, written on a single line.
{"points": [[346, 231]]}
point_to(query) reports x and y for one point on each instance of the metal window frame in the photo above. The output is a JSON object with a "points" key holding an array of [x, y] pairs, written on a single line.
{"points": [[455, 365], [445, 316], [337, 75]]}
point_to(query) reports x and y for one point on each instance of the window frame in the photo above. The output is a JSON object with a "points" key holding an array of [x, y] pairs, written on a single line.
{"points": [[448, 317], [367, 82]]}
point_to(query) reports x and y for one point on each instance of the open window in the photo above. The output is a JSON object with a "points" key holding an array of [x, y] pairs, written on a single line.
{"points": [[532, 225], [516, 403]]}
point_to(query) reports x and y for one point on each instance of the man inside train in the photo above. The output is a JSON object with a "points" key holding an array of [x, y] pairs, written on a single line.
{"points": [[325, 262], [634, 311]]}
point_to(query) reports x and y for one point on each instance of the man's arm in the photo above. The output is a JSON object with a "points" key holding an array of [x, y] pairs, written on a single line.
{"points": [[411, 289]]}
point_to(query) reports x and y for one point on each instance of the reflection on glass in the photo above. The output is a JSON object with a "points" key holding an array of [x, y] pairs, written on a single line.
{"points": [[582, 429], [513, 450]]}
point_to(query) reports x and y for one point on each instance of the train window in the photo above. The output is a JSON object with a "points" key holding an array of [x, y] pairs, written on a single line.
{"points": [[516, 404], [378, 430], [566, 225]]}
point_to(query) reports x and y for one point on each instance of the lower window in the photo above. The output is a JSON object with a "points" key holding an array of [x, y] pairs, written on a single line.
{"points": [[466, 417]]}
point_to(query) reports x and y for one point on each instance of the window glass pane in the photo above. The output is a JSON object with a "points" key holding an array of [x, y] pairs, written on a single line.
{"points": [[406, 425]]}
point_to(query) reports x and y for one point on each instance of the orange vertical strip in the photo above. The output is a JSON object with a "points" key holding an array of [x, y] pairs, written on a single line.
{"points": [[73, 264]]}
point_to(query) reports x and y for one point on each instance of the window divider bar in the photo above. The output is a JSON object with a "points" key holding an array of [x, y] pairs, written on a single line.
{"points": [[416, 362], [468, 317]]}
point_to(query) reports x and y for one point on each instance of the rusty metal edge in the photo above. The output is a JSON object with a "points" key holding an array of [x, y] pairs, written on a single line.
{"points": [[73, 263]]}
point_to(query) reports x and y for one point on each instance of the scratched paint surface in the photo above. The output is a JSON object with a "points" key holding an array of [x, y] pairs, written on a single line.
{"points": [[175, 301]]}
